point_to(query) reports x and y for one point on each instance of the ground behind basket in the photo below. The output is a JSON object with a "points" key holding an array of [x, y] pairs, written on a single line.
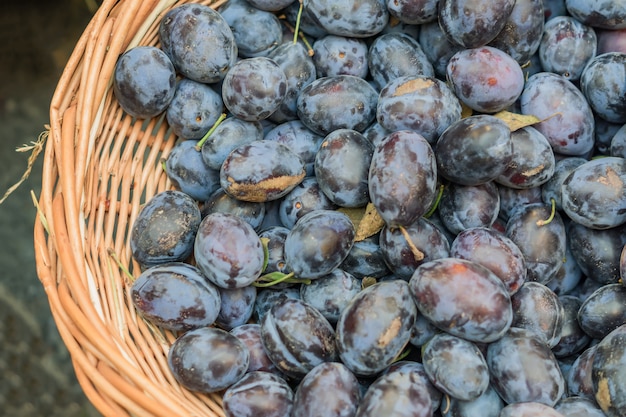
{"points": [[36, 38]]}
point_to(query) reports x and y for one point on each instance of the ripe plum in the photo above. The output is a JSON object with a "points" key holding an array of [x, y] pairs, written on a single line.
{"points": [[425, 105], [187, 170], [304, 198], [341, 101], [256, 32], [401, 393], [340, 55], [543, 245], [397, 253], [331, 293], [494, 251], [260, 171], [299, 70], [375, 327], [258, 393], [573, 339], [366, 259], [603, 82], [465, 206], [165, 229], [199, 42], [489, 404], [455, 366], [566, 116], [254, 88], [437, 47], [318, 243], [250, 335], [597, 252], [533, 162], [524, 369], [521, 35], [394, 55], [176, 296], [611, 41], [297, 337], [300, 139], [462, 298], [228, 250], [485, 79], [417, 369], [220, 202], [194, 109], [475, 141], [342, 166], [208, 359], [227, 136], [579, 381], [537, 308], [267, 297], [402, 177], [567, 45], [333, 382], [603, 311], [578, 406], [413, 12], [594, 194], [473, 23], [237, 305], [597, 13], [529, 409], [144, 81], [353, 18], [551, 189], [607, 373]]}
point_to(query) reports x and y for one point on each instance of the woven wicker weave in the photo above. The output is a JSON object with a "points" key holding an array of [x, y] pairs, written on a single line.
{"points": [[99, 168]]}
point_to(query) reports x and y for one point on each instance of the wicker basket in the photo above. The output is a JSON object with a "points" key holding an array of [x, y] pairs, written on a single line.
{"points": [[99, 168]]}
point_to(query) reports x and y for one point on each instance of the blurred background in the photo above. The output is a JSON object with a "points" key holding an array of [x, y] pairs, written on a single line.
{"points": [[36, 39]]}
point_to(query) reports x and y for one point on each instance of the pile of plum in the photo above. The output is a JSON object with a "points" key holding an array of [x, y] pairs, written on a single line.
{"points": [[389, 208]]}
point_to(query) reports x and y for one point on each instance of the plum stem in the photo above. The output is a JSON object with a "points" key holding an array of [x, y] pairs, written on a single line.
{"points": [[552, 213], [302, 38], [418, 254], [297, 28], [274, 278], [436, 203], [211, 130]]}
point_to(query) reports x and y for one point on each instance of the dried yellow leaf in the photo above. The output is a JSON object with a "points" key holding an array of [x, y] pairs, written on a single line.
{"points": [[466, 111], [366, 220], [517, 121]]}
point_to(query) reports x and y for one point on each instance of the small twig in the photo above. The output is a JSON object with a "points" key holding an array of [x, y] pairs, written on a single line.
{"points": [[120, 265], [35, 149], [42, 217]]}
